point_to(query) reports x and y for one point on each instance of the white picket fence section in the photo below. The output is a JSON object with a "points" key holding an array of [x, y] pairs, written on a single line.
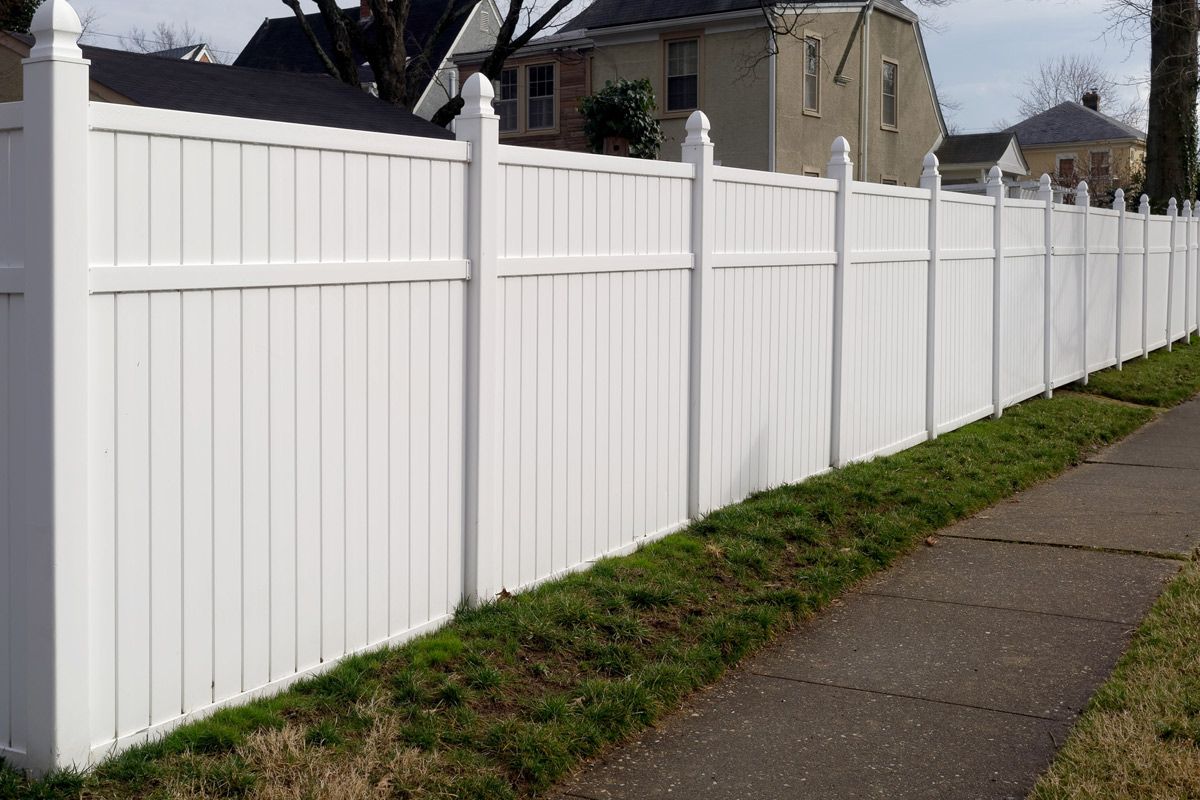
{"points": [[271, 395]]}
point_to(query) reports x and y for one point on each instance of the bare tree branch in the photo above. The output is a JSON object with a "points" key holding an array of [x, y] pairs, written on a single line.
{"points": [[309, 34], [1069, 77]]}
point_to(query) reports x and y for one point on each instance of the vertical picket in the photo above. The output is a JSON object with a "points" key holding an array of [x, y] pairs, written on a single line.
{"points": [[1083, 200], [698, 151], [1172, 266], [1122, 245]]}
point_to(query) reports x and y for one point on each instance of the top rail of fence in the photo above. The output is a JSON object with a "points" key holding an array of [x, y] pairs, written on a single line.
{"points": [[777, 179], [513, 155], [207, 127]]}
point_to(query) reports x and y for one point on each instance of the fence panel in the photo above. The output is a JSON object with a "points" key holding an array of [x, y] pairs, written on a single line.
{"points": [[594, 331], [1066, 295], [964, 311], [13, 560], [1179, 280], [1131, 287], [1158, 280], [277, 350], [1022, 301], [772, 324], [1103, 230]]}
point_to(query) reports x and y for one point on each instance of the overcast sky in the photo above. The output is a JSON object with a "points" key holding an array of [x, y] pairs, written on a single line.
{"points": [[980, 51]]}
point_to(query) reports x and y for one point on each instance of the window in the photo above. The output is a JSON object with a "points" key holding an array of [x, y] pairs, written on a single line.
{"points": [[683, 75], [1101, 164], [891, 76], [1066, 167], [812, 74], [540, 98], [888, 181], [506, 101]]}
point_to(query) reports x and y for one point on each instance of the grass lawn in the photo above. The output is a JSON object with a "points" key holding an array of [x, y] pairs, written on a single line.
{"points": [[509, 698], [1164, 380]]}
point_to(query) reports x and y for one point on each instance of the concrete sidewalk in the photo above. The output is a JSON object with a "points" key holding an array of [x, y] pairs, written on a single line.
{"points": [[956, 674]]}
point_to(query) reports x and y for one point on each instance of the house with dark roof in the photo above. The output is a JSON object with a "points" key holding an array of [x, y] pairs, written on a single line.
{"points": [[281, 44], [188, 52], [1076, 141], [853, 68], [140, 79], [968, 158]]}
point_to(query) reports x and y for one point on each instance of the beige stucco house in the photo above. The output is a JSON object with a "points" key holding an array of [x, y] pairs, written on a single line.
{"points": [[778, 98]]}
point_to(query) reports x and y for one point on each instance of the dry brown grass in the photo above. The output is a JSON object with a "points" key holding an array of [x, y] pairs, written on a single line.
{"points": [[1140, 738]]}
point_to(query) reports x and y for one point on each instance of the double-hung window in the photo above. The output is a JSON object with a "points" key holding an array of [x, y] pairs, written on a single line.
{"points": [[812, 74], [890, 111], [506, 101], [539, 100], [1101, 165], [683, 74]]}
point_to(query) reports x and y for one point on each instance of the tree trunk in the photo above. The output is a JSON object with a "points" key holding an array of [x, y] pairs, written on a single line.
{"points": [[1171, 137]]}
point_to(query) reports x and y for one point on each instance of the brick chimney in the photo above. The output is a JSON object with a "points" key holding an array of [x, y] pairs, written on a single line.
{"points": [[364, 10], [1091, 99]]}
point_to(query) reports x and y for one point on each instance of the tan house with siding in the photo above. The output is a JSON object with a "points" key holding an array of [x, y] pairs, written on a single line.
{"points": [[853, 68]]}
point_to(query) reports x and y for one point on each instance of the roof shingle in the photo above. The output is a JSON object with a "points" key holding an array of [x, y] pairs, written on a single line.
{"points": [[1071, 122]]}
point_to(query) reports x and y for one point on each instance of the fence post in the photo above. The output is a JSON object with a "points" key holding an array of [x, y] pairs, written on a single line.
{"points": [[1046, 195], [840, 169], [1144, 210], [1173, 213], [698, 151], [1119, 206], [931, 179], [995, 190], [1083, 200], [1187, 271], [56, 297], [479, 126]]}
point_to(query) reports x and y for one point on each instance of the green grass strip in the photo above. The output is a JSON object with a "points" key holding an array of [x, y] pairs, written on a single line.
{"points": [[1164, 380], [509, 698], [1140, 736]]}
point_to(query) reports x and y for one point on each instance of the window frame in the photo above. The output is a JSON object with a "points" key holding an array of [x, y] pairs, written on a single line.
{"points": [[665, 42], [1059, 158], [820, 41], [516, 100], [883, 123], [554, 79], [1107, 151]]}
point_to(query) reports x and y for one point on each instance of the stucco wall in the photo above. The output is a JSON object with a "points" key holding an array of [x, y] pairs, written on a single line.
{"points": [[735, 97], [804, 139]]}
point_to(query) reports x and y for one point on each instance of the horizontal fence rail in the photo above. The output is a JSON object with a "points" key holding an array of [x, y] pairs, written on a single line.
{"points": [[271, 395]]}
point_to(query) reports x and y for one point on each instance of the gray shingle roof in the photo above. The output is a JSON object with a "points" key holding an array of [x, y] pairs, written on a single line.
{"points": [[252, 93], [1071, 122], [974, 148], [610, 13], [178, 52]]}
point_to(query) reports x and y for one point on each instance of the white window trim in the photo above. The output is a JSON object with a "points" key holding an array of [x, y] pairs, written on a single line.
{"points": [[666, 40], [884, 60], [553, 96], [804, 74]]}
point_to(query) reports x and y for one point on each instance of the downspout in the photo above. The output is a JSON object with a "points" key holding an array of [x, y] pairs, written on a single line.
{"points": [[864, 93], [771, 112]]}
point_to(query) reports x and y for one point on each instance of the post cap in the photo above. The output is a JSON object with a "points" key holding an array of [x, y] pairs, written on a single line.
{"points": [[1187, 208], [1044, 182], [477, 94], [1119, 200], [995, 175], [697, 128], [1082, 188], [56, 29], [930, 165], [1172, 207], [1144, 201], [840, 151]]}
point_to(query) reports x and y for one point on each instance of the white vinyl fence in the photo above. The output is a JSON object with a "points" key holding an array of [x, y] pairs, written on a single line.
{"points": [[273, 394]]}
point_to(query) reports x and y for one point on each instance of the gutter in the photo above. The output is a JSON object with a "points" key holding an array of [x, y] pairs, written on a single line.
{"points": [[771, 108], [864, 93]]}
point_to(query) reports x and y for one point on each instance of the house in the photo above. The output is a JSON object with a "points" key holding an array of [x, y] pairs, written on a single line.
{"points": [[853, 68], [189, 52], [281, 44], [538, 94], [118, 76], [968, 158], [1075, 141]]}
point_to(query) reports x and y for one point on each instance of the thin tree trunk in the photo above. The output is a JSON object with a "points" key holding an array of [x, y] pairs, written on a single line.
{"points": [[1171, 135]]}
